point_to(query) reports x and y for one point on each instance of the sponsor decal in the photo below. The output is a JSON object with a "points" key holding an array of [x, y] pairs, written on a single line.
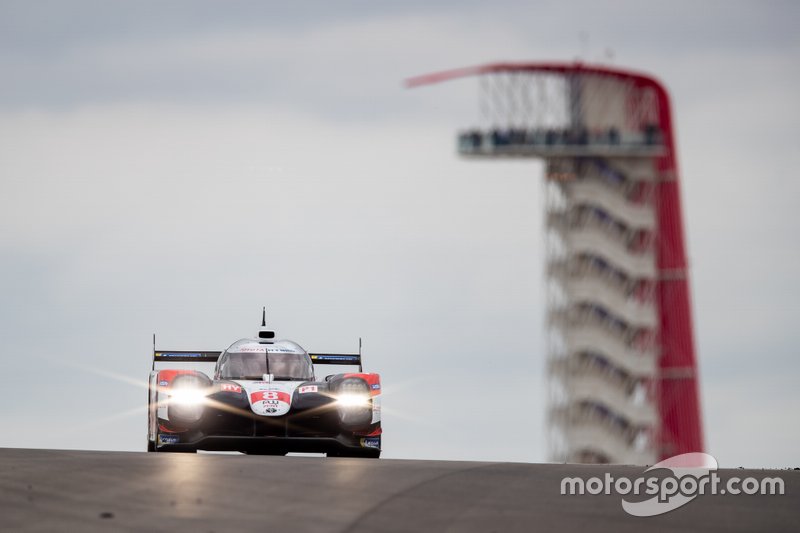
{"points": [[169, 439], [376, 386], [270, 402], [269, 395], [260, 348], [230, 387], [308, 388], [371, 442], [278, 349], [270, 385], [251, 348], [339, 358], [179, 355], [163, 383]]}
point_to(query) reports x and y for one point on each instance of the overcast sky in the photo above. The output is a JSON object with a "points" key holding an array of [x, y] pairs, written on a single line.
{"points": [[172, 167]]}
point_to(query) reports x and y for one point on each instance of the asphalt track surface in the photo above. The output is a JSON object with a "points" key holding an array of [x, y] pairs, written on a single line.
{"points": [[51, 490]]}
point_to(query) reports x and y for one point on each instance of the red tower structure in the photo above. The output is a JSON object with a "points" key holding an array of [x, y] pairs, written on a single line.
{"points": [[589, 121]]}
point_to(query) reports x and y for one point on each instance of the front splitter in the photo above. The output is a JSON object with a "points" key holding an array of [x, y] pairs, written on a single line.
{"points": [[271, 444]]}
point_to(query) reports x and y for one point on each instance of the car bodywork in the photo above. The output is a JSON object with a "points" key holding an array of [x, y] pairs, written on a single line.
{"points": [[261, 396]]}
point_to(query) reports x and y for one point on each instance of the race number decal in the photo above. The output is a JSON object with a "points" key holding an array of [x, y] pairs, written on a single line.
{"points": [[269, 395]]}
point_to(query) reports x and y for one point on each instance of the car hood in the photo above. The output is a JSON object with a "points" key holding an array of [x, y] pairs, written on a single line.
{"points": [[269, 398]]}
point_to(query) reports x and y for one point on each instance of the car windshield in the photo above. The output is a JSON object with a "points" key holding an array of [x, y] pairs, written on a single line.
{"points": [[283, 366]]}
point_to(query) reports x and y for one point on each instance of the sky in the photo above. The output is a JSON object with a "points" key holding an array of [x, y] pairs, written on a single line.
{"points": [[170, 167]]}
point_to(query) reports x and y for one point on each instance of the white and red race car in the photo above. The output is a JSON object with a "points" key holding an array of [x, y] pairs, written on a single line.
{"points": [[261, 396]]}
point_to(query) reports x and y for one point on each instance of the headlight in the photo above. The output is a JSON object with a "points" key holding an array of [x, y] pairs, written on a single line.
{"points": [[353, 400], [353, 392], [187, 398]]}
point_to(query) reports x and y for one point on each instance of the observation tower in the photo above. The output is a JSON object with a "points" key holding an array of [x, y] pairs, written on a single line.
{"points": [[621, 361]]}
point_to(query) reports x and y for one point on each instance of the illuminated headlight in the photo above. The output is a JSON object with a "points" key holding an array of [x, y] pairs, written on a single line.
{"points": [[187, 397], [353, 400]]}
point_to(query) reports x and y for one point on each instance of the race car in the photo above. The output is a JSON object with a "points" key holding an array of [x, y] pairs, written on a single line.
{"points": [[261, 396]]}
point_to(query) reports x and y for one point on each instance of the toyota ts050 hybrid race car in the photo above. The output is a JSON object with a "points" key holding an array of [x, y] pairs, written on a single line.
{"points": [[261, 396]]}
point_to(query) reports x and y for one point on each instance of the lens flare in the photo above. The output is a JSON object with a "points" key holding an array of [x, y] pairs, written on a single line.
{"points": [[353, 400], [187, 396]]}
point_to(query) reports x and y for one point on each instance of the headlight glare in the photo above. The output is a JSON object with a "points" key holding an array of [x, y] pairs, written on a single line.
{"points": [[353, 400], [187, 396], [353, 392]]}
